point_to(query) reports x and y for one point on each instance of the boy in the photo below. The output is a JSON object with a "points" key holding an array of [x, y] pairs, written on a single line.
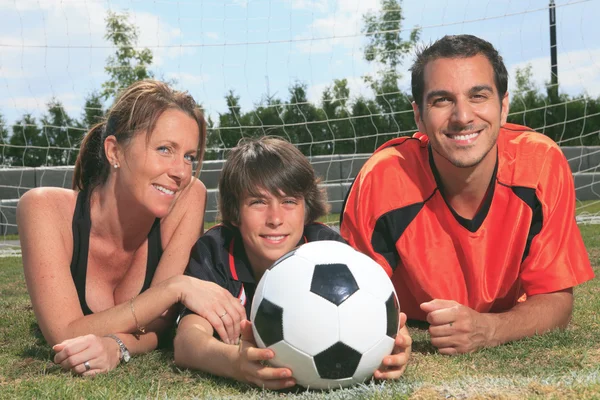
{"points": [[269, 202]]}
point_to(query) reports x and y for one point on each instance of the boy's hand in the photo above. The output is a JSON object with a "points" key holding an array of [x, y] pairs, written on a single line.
{"points": [[251, 366], [393, 366]]}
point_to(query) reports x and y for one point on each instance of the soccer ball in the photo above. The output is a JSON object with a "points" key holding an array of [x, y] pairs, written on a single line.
{"points": [[329, 313]]}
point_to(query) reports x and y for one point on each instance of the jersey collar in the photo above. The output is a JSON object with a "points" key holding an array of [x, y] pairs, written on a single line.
{"points": [[470, 224], [239, 265]]}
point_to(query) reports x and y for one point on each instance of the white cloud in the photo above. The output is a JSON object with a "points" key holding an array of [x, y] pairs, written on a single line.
{"points": [[317, 5], [37, 105], [58, 49], [240, 3], [187, 80], [341, 26], [578, 71]]}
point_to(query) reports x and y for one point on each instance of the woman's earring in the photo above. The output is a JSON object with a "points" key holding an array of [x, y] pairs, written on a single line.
{"points": [[116, 166]]}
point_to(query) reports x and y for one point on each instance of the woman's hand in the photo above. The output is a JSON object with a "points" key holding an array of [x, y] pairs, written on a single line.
{"points": [[87, 355], [216, 305], [251, 362], [393, 366]]}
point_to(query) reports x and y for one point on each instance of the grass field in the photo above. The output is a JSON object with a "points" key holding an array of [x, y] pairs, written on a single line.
{"points": [[562, 364]]}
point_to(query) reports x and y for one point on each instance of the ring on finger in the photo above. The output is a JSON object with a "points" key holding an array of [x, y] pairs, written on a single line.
{"points": [[222, 315], [86, 364]]}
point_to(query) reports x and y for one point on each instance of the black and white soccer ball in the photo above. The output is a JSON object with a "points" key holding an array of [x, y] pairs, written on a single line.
{"points": [[329, 313]]}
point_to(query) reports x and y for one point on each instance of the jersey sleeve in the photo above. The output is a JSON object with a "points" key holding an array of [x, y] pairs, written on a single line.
{"points": [[317, 231], [557, 258], [359, 217], [201, 266]]}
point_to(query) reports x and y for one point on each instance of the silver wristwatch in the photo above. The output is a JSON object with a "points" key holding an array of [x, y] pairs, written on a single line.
{"points": [[125, 356]]}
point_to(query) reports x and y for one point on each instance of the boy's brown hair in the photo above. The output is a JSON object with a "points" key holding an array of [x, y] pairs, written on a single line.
{"points": [[271, 164]]}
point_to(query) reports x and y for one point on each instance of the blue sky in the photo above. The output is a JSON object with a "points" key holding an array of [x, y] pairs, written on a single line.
{"points": [[51, 48]]}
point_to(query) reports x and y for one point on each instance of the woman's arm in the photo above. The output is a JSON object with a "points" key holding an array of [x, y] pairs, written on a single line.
{"points": [[180, 230], [46, 243]]}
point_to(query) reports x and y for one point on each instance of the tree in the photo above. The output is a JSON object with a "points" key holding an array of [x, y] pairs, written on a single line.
{"points": [[127, 65], [28, 147], [387, 48], [267, 117], [93, 111], [394, 105], [4, 141], [229, 131], [61, 134], [340, 130], [568, 120], [299, 118], [368, 123]]}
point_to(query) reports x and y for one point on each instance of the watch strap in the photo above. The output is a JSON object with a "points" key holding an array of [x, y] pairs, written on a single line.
{"points": [[124, 352]]}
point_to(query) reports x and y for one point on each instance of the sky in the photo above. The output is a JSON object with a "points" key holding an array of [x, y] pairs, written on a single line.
{"points": [[56, 48]]}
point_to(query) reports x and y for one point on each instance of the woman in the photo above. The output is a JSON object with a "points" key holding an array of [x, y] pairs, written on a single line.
{"points": [[103, 262]]}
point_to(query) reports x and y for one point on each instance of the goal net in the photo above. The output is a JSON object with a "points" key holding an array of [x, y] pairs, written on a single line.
{"points": [[329, 75]]}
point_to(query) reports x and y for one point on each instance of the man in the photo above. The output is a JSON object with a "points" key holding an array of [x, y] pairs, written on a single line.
{"points": [[471, 215]]}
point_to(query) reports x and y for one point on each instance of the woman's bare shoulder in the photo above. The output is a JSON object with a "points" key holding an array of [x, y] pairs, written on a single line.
{"points": [[51, 203]]}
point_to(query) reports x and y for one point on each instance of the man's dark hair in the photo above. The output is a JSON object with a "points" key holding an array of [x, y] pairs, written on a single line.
{"points": [[456, 46]]}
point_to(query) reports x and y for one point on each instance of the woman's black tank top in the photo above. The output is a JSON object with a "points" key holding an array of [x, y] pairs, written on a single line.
{"points": [[82, 225]]}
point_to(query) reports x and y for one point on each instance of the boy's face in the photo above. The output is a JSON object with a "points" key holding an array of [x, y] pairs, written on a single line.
{"points": [[270, 226]]}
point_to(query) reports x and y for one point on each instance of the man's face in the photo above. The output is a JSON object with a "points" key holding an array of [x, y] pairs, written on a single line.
{"points": [[461, 113]]}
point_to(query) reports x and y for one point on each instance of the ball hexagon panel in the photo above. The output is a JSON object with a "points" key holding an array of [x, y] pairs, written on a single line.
{"points": [[392, 310], [303, 368], [310, 323], [363, 321], [371, 276], [289, 280], [283, 257], [337, 362], [268, 322], [371, 359], [302, 365], [333, 282], [326, 252], [258, 294]]}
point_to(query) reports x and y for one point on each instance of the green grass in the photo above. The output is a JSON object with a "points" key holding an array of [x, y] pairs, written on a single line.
{"points": [[560, 365], [588, 206], [9, 237]]}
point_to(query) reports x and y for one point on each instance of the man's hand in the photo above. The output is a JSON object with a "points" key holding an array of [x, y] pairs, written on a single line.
{"points": [[251, 364], [393, 366], [456, 329]]}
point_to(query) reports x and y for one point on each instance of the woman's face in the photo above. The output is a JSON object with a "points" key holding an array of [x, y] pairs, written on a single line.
{"points": [[154, 168]]}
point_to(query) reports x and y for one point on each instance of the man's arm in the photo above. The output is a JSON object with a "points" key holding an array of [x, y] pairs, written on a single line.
{"points": [[458, 329]]}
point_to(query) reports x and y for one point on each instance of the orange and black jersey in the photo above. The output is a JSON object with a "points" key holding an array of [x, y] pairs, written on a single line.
{"points": [[523, 240], [219, 256]]}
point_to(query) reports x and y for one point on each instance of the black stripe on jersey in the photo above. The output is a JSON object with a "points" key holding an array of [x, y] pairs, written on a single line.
{"points": [[528, 196], [390, 227], [470, 224], [354, 180]]}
